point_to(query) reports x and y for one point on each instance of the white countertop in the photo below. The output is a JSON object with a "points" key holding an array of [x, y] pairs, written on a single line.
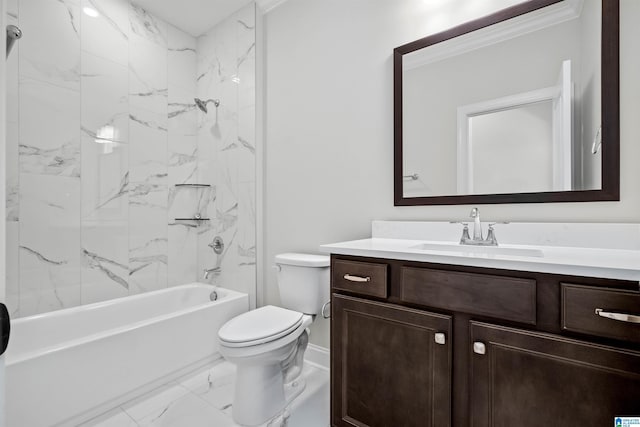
{"points": [[604, 262]]}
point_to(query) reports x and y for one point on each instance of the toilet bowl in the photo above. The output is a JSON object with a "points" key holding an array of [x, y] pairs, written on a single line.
{"points": [[267, 344]]}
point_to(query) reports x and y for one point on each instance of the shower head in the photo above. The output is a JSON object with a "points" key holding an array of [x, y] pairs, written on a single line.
{"points": [[202, 105], [13, 33]]}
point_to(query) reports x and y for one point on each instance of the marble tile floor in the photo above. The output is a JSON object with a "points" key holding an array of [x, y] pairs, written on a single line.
{"points": [[203, 398]]}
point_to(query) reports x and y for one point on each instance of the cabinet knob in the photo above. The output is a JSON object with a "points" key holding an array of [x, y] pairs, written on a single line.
{"points": [[479, 348], [440, 338]]}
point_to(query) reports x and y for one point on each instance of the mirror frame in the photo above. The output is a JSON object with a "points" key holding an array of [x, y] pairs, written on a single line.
{"points": [[610, 112]]}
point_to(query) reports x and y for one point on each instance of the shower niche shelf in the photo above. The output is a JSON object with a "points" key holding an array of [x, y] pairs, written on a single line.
{"points": [[193, 185], [196, 218]]}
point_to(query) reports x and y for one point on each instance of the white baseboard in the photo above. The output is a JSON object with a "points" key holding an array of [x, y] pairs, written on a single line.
{"points": [[318, 356]]}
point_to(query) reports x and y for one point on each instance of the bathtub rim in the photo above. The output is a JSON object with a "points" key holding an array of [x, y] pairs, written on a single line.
{"points": [[10, 360]]}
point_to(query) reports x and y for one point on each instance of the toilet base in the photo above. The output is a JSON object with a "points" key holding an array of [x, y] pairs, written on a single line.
{"points": [[261, 395]]}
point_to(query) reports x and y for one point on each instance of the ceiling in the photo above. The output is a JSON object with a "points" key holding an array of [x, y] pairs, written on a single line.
{"points": [[195, 17]]}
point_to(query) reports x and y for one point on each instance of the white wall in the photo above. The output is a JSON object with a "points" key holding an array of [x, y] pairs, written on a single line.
{"points": [[329, 124]]}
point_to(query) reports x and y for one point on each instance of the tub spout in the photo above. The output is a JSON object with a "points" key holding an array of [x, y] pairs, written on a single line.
{"points": [[208, 271]]}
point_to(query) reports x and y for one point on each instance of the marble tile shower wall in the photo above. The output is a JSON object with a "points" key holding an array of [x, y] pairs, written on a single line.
{"points": [[101, 127], [226, 146]]}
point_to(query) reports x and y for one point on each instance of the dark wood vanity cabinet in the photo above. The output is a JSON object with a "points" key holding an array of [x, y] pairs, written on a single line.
{"points": [[388, 366], [534, 379], [441, 345]]}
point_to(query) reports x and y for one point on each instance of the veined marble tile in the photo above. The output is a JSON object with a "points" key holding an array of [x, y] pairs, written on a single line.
{"points": [[114, 418], [182, 254], [247, 225], [147, 262], [148, 84], [105, 260], [184, 202], [148, 234], [182, 66], [225, 38], [144, 26], [105, 102], [207, 64], [207, 154], [13, 268], [187, 411], [52, 145], [13, 201], [155, 401], [106, 35], [246, 18], [183, 159], [246, 53], [246, 149], [206, 202], [105, 181], [50, 202], [215, 385], [148, 145], [149, 199], [227, 181], [183, 117], [50, 51], [12, 165], [12, 9], [49, 242]]}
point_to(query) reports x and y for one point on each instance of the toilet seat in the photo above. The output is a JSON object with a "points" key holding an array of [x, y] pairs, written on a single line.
{"points": [[260, 326]]}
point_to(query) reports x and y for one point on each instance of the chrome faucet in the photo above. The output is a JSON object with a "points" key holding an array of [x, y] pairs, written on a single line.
{"points": [[208, 271], [477, 225], [477, 239]]}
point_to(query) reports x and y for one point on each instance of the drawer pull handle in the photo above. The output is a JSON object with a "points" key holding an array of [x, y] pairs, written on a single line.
{"points": [[440, 338], [622, 317], [358, 279], [479, 348]]}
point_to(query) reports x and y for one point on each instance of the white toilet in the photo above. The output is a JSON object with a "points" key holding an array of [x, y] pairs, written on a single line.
{"points": [[267, 344]]}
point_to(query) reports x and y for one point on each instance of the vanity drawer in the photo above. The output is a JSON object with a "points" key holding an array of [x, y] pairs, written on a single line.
{"points": [[364, 278], [579, 305], [509, 298]]}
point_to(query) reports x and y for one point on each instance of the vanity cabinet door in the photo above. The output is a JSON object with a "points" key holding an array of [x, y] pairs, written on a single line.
{"points": [[530, 379], [390, 365]]}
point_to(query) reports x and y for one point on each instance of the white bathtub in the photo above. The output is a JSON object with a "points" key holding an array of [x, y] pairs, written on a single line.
{"points": [[63, 366]]}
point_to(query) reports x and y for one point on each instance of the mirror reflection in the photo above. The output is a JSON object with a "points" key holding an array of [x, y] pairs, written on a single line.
{"points": [[511, 108]]}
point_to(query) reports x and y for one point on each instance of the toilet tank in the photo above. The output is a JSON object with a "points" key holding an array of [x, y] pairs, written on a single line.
{"points": [[303, 280]]}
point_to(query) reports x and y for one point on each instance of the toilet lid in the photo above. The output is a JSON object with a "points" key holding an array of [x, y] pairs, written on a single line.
{"points": [[258, 326]]}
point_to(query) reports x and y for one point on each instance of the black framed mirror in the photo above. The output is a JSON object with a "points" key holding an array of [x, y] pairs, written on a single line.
{"points": [[520, 106]]}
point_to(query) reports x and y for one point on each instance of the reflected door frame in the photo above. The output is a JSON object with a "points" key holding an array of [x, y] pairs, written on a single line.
{"points": [[561, 99]]}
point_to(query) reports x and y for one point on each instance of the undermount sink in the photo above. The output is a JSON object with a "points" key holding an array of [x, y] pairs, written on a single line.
{"points": [[481, 250]]}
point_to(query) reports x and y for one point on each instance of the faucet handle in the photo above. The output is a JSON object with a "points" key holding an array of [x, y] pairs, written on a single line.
{"points": [[465, 231], [491, 234], [497, 222]]}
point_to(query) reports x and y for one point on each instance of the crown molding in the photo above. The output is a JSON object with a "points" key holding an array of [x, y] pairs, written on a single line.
{"points": [[512, 28]]}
